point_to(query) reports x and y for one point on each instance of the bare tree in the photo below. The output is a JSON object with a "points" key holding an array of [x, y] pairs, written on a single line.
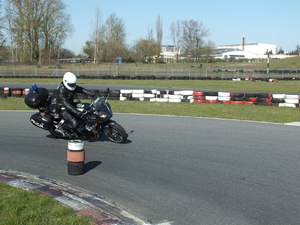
{"points": [[115, 28], [175, 31], [98, 38], [23, 19], [108, 39], [192, 40], [3, 49], [115, 37], [2, 39], [37, 27], [159, 34], [55, 27], [150, 34]]}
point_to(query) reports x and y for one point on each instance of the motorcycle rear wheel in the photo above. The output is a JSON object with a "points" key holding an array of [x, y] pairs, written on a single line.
{"points": [[115, 133]]}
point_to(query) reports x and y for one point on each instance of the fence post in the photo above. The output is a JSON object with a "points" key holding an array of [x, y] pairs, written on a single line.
{"points": [[136, 69], [14, 71]]}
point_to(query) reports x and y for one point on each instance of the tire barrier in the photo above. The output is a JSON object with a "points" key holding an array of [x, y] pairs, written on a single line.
{"points": [[154, 95], [177, 96], [16, 92], [266, 99], [289, 100], [6, 91], [75, 157], [25, 91]]}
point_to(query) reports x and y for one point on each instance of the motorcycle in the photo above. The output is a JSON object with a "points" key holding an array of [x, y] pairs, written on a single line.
{"points": [[95, 121]]}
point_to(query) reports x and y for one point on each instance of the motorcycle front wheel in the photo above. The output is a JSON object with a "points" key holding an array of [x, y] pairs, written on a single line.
{"points": [[115, 133]]}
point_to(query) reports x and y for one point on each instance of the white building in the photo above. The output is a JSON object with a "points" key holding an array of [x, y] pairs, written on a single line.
{"points": [[238, 51], [248, 51], [169, 52]]}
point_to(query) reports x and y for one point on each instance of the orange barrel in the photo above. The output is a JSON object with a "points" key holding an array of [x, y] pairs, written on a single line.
{"points": [[75, 157], [6, 91]]}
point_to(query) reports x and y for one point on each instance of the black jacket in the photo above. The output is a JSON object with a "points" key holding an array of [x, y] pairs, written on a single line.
{"points": [[65, 97]]}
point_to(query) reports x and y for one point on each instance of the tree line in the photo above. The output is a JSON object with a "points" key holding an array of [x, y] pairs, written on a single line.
{"points": [[108, 41], [34, 31]]}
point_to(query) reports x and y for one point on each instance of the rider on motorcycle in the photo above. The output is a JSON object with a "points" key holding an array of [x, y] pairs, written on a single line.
{"points": [[65, 93]]}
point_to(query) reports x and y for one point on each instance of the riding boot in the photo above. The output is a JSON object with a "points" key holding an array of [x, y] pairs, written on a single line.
{"points": [[68, 134], [75, 133]]}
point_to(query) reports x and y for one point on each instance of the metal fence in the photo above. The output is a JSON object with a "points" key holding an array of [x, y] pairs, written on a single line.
{"points": [[143, 71]]}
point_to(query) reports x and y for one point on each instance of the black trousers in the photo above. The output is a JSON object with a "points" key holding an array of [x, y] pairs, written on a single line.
{"points": [[70, 119]]}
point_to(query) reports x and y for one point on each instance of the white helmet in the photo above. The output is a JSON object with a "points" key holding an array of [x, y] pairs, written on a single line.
{"points": [[69, 81]]}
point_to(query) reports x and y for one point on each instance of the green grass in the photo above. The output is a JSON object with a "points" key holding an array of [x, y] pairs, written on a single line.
{"points": [[19, 207], [12, 103], [281, 86], [241, 112]]}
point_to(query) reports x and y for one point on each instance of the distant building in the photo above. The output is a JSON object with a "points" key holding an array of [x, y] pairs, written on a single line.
{"points": [[237, 51], [169, 51], [246, 51]]}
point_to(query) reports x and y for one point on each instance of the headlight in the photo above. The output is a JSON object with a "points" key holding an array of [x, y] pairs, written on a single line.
{"points": [[102, 116]]}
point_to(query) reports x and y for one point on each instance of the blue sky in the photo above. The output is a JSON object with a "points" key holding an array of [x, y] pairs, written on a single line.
{"points": [[263, 21]]}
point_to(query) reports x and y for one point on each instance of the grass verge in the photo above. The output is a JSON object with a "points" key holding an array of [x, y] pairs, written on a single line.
{"points": [[18, 206], [241, 112], [259, 86]]}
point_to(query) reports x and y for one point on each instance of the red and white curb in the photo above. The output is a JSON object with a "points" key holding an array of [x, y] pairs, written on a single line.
{"points": [[81, 201]]}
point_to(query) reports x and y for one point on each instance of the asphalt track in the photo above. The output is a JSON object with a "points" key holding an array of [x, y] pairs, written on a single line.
{"points": [[181, 169]]}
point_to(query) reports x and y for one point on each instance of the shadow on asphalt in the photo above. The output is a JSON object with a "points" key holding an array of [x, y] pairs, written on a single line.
{"points": [[103, 138], [91, 165]]}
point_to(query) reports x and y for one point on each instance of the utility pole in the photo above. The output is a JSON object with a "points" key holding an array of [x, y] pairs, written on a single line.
{"points": [[268, 62]]}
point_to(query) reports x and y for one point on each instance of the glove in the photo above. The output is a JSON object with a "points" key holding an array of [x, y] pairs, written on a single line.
{"points": [[79, 114]]}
